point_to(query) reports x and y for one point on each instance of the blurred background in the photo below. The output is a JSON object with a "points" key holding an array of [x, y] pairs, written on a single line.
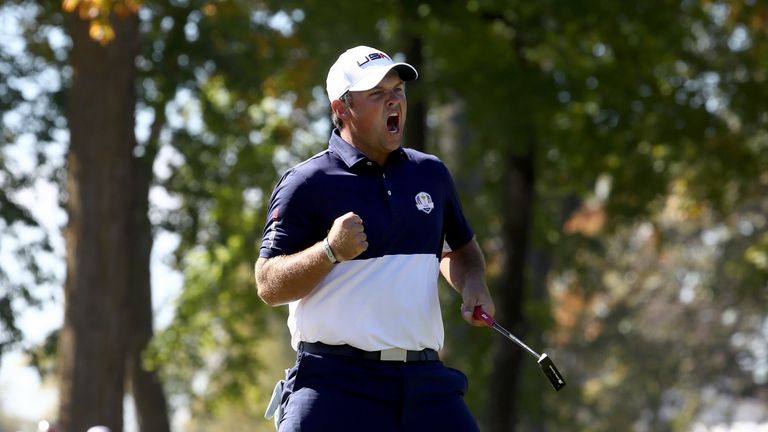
{"points": [[612, 158]]}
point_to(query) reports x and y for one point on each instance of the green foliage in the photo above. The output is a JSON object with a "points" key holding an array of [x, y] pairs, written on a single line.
{"points": [[27, 88], [216, 72], [660, 324]]}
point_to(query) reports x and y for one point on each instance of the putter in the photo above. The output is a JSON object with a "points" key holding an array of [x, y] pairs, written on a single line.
{"points": [[545, 363]]}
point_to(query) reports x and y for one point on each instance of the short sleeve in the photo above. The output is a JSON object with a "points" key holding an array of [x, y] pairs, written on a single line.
{"points": [[456, 228], [289, 228]]}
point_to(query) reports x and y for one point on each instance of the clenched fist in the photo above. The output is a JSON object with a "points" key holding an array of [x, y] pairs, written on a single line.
{"points": [[347, 237]]}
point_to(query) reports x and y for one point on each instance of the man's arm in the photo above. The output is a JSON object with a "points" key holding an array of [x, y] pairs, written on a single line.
{"points": [[283, 279], [286, 278], [464, 269]]}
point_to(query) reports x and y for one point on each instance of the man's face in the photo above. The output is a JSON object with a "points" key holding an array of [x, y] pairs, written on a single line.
{"points": [[375, 120]]}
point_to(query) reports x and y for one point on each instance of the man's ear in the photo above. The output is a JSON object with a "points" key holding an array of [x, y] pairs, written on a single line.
{"points": [[339, 108]]}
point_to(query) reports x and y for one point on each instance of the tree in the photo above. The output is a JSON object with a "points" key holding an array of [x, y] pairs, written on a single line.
{"points": [[186, 49], [93, 343], [174, 29]]}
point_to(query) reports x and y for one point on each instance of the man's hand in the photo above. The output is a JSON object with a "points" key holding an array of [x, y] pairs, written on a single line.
{"points": [[476, 297], [347, 237]]}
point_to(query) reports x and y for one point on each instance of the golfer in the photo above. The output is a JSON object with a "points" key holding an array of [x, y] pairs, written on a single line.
{"points": [[354, 241]]}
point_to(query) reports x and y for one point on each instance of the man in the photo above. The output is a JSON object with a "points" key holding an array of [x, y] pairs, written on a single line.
{"points": [[354, 242]]}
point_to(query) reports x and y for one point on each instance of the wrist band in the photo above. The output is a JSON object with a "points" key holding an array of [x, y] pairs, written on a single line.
{"points": [[329, 251]]}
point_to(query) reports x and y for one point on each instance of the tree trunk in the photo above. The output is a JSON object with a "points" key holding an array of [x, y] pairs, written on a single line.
{"points": [[93, 343], [148, 395], [517, 202], [416, 129]]}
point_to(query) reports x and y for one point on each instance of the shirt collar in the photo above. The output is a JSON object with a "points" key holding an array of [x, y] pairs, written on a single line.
{"points": [[352, 156]]}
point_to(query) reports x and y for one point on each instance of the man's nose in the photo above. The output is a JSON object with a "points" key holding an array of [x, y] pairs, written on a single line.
{"points": [[394, 97]]}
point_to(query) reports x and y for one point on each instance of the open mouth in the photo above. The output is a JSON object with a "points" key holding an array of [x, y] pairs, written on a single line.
{"points": [[393, 123]]}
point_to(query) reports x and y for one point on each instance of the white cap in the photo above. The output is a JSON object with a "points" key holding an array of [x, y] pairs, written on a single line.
{"points": [[98, 429], [362, 68]]}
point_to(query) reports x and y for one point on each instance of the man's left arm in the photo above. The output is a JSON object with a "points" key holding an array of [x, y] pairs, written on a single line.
{"points": [[464, 269]]}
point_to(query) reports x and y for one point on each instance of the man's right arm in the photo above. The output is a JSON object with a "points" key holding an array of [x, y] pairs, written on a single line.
{"points": [[283, 279], [286, 278]]}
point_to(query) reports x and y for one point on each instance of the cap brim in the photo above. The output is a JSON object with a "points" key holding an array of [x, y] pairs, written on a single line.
{"points": [[404, 70]]}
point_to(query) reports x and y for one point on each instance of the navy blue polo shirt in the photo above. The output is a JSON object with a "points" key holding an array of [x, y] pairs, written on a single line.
{"points": [[387, 296]]}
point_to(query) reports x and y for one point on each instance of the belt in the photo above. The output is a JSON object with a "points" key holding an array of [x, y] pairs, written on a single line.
{"points": [[392, 354]]}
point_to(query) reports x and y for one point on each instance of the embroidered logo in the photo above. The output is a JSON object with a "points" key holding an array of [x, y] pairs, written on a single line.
{"points": [[270, 241], [424, 202], [372, 57]]}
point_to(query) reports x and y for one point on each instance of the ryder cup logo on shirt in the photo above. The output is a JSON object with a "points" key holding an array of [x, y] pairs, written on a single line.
{"points": [[424, 202]]}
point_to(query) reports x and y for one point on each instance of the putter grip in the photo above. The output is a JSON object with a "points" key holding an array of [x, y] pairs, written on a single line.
{"points": [[480, 314]]}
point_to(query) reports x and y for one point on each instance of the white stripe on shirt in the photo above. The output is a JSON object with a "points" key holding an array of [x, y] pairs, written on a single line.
{"points": [[373, 304]]}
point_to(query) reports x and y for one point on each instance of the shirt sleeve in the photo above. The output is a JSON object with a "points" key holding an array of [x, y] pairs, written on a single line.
{"points": [[288, 228], [456, 229]]}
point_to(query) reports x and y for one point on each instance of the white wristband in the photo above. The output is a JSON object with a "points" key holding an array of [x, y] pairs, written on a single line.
{"points": [[329, 251]]}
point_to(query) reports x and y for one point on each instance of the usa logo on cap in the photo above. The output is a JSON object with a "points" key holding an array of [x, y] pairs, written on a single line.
{"points": [[372, 57]]}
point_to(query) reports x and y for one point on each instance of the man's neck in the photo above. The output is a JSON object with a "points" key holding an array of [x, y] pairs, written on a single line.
{"points": [[346, 135]]}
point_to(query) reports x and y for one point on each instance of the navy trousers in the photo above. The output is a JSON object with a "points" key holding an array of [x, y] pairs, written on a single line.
{"points": [[325, 392]]}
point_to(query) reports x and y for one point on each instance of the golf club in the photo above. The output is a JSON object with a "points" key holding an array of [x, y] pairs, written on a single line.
{"points": [[545, 363]]}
